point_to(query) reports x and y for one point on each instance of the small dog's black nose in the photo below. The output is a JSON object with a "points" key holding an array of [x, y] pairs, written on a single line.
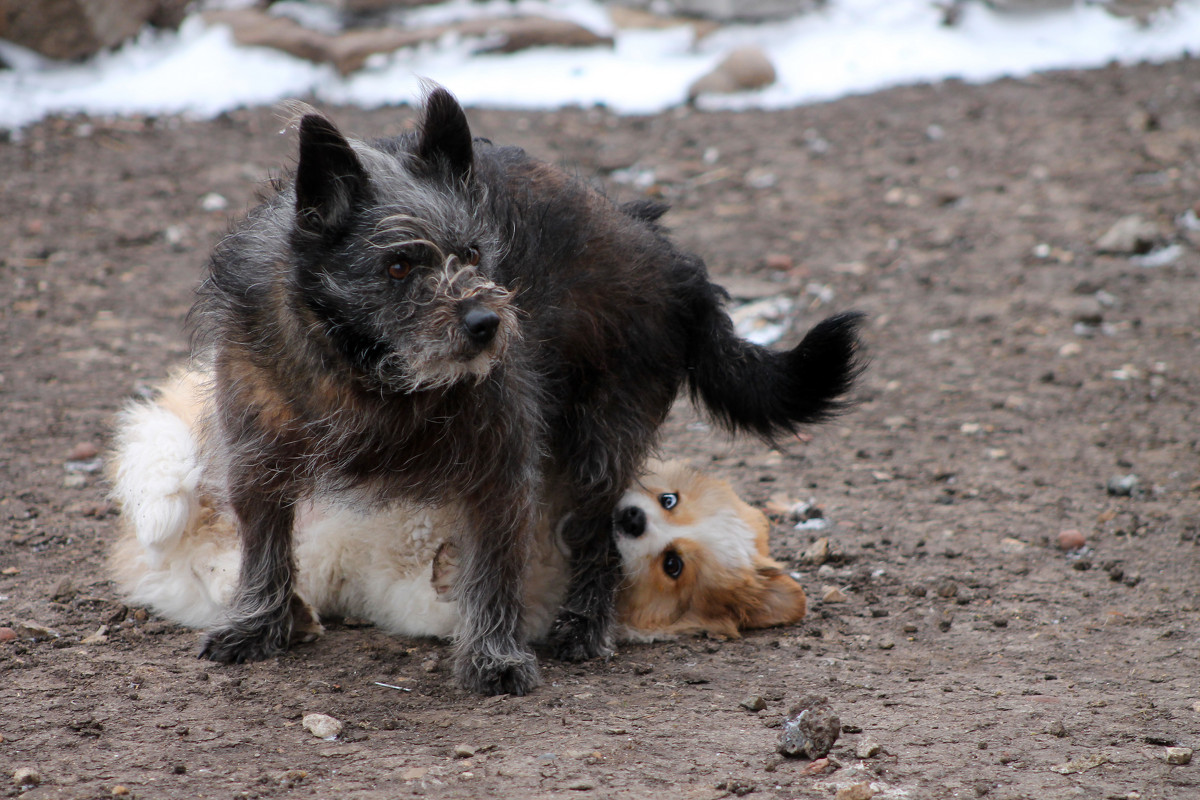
{"points": [[480, 324], [630, 521]]}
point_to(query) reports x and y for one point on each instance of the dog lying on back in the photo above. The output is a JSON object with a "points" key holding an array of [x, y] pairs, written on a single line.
{"points": [[432, 318], [694, 556]]}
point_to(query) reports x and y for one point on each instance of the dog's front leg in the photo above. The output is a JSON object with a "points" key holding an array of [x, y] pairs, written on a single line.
{"points": [[491, 656], [260, 619], [584, 625]]}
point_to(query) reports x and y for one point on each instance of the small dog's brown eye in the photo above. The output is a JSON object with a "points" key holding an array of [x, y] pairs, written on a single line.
{"points": [[668, 500], [672, 564], [473, 256], [400, 269]]}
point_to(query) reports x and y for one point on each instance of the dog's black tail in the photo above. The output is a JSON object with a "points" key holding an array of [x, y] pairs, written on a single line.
{"points": [[749, 388]]}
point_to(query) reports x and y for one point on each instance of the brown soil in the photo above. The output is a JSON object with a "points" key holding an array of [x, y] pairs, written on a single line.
{"points": [[1015, 371]]}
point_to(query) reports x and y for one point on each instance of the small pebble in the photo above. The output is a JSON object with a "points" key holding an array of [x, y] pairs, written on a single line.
{"points": [[83, 451], [909, 628], [833, 594], [7, 634], [35, 631], [213, 202], [26, 776], [855, 791], [867, 748], [1071, 539], [1123, 486], [120, 791], [817, 553], [753, 703], [886, 644], [947, 589], [818, 767], [463, 751], [322, 726], [1179, 756], [779, 261]]}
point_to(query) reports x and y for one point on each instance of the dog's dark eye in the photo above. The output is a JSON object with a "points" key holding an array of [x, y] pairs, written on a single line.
{"points": [[668, 500], [672, 564], [400, 269], [472, 256]]}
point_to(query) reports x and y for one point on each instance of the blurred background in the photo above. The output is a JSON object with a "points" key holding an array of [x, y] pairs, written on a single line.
{"points": [[204, 57]]}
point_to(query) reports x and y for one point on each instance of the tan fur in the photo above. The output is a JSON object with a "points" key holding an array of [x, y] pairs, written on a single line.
{"points": [[396, 565]]}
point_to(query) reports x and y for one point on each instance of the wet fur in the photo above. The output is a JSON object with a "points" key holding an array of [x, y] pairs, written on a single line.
{"points": [[178, 552], [334, 380]]}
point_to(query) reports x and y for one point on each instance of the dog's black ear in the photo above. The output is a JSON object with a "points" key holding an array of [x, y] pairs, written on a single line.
{"points": [[445, 136], [329, 177]]}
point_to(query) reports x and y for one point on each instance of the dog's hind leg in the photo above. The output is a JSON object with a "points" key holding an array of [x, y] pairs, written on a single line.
{"points": [[260, 620], [491, 656]]}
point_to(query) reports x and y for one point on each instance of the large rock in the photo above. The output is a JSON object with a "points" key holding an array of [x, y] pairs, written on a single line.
{"points": [[742, 70], [350, 50], [725, 10], [76, 29]]}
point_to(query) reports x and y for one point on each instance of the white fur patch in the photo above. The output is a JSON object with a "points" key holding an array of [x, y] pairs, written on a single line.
{"points": [[157, 477], [724, 533]]}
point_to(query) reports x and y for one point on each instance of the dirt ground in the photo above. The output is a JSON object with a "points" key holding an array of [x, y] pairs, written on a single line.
{"points": [[1015, 370]]}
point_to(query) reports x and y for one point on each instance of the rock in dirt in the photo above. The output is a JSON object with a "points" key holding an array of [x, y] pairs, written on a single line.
{"points": [[26, 777], [1071, 539], [744, 69], [832, 594], [753, 703], [7, 634], [817, 553], [1179, 756], [867, 748], [1123, 485], [84, 451], [1130, 235], [855, 791], [322, 726], [463, 751], [810, 729], [819, 767], [35, 631], [1080, 764]]}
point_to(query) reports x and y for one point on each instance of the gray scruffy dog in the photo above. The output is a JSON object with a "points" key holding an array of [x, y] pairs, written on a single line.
{"points": [[432, 317]]}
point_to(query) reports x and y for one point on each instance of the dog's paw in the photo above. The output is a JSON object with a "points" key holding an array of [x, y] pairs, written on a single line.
{"points": [[516, 673], [238, 644], [575, 637]]}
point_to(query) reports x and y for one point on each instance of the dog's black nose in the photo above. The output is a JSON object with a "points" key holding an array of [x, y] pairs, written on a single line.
{"points": [[480, 324], [630, 521]]}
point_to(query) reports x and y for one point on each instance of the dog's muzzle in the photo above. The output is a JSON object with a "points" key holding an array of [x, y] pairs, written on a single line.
{"points": [[630, 521]]}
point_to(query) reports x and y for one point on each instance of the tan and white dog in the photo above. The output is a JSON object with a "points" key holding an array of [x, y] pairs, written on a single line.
{"points": [[694, 555]]}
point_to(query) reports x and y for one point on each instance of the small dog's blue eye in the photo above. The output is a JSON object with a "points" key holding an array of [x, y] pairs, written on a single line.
{"points": [[668, 500], [400, 269], [672, 564]]}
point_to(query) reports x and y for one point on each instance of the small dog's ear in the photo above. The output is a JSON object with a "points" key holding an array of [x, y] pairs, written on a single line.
{"points": [[776, 598], [329, 177], [445, 135]]}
